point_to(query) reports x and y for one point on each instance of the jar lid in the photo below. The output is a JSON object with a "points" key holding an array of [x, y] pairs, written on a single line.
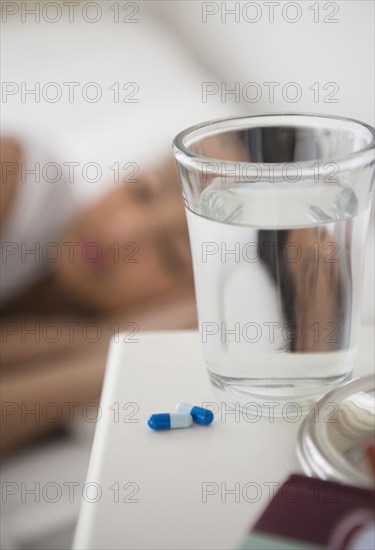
{"points": [[334, 436]]}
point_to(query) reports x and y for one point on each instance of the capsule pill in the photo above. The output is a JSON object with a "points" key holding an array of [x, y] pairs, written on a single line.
{"points": [[199, 414], [170, 421]]}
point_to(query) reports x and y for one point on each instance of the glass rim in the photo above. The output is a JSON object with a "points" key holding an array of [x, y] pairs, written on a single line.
{"points": [[195, 160]]}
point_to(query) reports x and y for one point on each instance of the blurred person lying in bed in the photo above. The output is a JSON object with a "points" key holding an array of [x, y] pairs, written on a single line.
{"points": [[72, 278]]}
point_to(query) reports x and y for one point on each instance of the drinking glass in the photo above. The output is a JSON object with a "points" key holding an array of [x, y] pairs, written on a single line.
{"points": [[278, 208]]}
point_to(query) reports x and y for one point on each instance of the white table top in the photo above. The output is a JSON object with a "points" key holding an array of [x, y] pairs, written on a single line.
{"points": [[161, 490]]}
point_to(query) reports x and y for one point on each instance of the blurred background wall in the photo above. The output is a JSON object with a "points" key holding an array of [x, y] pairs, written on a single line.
{"points": [[188, 60]]}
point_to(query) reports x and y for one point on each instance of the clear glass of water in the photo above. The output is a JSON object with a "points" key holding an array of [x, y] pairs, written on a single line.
{"points": [[278, 209]]}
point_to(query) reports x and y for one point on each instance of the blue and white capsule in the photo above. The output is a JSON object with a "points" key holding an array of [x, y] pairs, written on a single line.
{"points": [[170, 421], [200, 415]]}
